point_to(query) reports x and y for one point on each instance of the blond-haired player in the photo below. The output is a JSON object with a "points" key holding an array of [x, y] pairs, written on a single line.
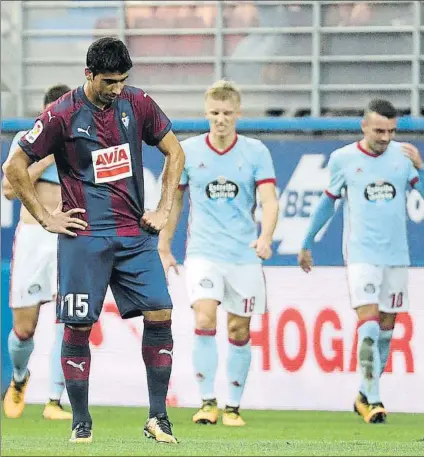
{"points": [[223, 171]]}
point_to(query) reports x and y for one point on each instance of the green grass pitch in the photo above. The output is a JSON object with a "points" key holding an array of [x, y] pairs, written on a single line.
{"points": [[118, 431]]}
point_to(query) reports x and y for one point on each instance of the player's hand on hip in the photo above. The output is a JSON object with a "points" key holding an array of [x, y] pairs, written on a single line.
{"points": [[305, 260], [64, 222], [413, 154], [154, 221], [262, 248], [168, 262]]}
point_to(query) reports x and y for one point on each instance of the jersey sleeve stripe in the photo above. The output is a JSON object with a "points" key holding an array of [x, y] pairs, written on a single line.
{"points": [[414, 181], [265, 181], [334, 197]]}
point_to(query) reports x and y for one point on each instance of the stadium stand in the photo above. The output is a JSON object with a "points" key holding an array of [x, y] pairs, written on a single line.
{"points": [[291, 58]]}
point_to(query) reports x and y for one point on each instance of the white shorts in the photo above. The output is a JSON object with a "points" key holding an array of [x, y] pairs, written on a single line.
{"points": [[33, 275], [239, 288], [386, 286]]}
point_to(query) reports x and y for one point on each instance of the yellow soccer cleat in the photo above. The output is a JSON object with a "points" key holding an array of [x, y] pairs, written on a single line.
{"points": [[371, 413], [361, 405], [231, 417], [208, 413], [14, 400], [82, 433], [376, 414], [160, 429], [54, 411]]}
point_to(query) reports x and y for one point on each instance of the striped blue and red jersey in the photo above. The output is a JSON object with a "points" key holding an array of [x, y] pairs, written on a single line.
{"points": [[98, 154]]}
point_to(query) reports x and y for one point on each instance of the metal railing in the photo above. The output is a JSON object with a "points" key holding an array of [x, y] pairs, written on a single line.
{"points": [[11, 55], [288, 57]]}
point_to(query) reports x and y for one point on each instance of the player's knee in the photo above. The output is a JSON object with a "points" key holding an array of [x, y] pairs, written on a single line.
{"points": [[387, 321], [238, 334], [24, 331], [25, 321], [205, 321], [205, 314], [238, 330], [159, 315], [238, 327]]}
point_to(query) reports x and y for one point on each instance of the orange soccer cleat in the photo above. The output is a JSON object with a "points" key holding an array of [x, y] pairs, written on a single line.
{"points": [[14, 400]]}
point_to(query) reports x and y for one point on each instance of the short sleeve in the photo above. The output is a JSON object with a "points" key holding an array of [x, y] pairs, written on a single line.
{"points": [[183, 180], [155, 122], [264, 169], [44, 138], [413, 176], [337, 180], [15, 141]]}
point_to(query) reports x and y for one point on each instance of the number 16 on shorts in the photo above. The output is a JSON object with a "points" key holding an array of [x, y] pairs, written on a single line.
{"points": [[73, 307]]}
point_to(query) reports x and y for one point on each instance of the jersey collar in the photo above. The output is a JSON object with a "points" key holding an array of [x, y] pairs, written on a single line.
{"points": [[91, 105], [371, 154], [221, 153]]}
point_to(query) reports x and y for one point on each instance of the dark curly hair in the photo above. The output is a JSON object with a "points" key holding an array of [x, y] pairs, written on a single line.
{"points": [[108, 55]]}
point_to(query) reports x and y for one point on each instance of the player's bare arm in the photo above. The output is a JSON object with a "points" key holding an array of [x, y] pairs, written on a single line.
{"points": [[322, 214], [269, 202], [35, 171], [16, 171], [167, 233], [155, 221]]}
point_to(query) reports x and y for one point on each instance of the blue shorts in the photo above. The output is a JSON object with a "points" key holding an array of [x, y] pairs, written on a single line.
{"points": [[130, 265]]}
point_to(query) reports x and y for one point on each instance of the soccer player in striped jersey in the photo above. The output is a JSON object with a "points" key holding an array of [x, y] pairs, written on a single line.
{"points": [[106, 237]]}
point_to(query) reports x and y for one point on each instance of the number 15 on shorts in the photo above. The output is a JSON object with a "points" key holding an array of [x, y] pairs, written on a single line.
{"points": [[74, 305]]}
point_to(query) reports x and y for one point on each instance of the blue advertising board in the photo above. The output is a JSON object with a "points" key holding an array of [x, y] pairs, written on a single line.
{"points": [[301, 178]]}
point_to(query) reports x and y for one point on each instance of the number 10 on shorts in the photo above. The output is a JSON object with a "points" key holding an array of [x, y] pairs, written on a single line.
{"points": [[76, 305], [397, 300]]}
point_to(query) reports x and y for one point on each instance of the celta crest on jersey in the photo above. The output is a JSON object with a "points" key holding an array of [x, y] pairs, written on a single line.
{"points": [[111, 164]]}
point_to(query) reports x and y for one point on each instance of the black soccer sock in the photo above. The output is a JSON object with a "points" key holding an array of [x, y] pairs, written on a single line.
{"points": [[76, 358], [157, 355]]}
